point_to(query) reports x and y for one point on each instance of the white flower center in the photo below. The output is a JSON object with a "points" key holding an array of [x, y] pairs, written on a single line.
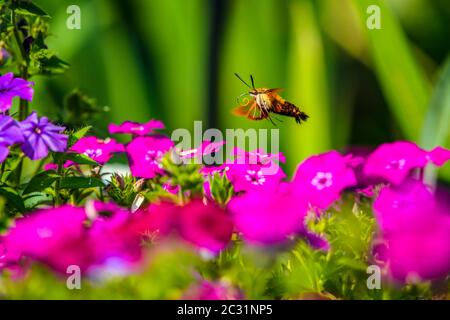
{"points": [[154, 157], [396, 164], [322, 180], [255, 177], [44, 233], [140, 128], [93, 153]]}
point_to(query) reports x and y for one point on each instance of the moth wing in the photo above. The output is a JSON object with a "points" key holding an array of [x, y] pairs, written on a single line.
{"points": [[243, 110], [256, 113], [251, 110], [274, 90]]}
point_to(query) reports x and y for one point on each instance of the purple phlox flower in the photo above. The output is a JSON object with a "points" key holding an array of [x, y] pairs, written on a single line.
{"points": [[268, 216], [4, 56], [136, 128], [41, 136], [394, 161], [10, 134], [145, 155], [97, 149], [320, 179], [414, 232], [11, 87]]}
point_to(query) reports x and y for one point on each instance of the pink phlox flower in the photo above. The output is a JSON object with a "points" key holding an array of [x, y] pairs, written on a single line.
{"points": [[206, 226], [321, 178], [394, 161], [205, 148], [415, 232], [145, 155], [97, 149], [268, 216], [136, 128]]}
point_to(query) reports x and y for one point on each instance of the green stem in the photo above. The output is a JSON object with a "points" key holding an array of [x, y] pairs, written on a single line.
{"points": [[23, 66], [2, 170], [57, 198]]}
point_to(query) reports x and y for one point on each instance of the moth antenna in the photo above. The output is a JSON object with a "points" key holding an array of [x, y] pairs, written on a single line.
{"points": [[278, 119], [270, 119], [253, 82], [242, 80]]}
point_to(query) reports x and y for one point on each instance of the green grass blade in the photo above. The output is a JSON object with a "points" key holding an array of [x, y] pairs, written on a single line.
{"points": [[435, 131], [403, 82], [308, 84]]}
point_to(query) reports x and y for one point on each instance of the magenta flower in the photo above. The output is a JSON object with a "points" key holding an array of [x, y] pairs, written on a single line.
{"points": [[414, 232], [207, 290], [41, 136], [320, 179], [393, 162], [439, 156], [54, 237], [110, 237], [157, 220], [11, 87], [145, 154], [97, 149], [251, 170], [135, 128], [257, 156], [268, 216], [59, 237], [10, 134], [206, 226]]}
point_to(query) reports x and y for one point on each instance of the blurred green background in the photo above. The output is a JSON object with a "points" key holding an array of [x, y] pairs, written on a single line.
{"points": [[174, 60]]}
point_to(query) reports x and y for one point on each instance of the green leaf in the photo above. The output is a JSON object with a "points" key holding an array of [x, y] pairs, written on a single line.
{"points": [[44, 61], [307, 84], [82, 132], [80, 159], [60, 157], [402, 80], [77, 135], [13, 198], [221, 188], [435, 131], [80, 182], [26, 7], [35, 199], [41, 181]]}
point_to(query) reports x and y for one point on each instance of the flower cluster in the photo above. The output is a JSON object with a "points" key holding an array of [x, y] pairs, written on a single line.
{"points": [[36, 136], [214, 208]]}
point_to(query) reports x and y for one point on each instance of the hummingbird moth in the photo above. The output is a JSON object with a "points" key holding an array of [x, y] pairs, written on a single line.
{"points": [[263, 102]]}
